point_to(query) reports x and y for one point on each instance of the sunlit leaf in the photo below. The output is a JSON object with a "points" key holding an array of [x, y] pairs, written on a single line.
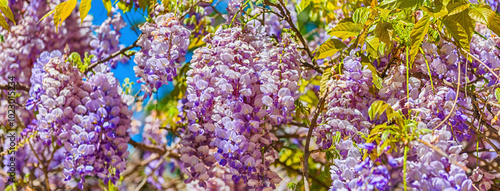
{"points": [[458, 33], [302, 5], [418, 34], [377, 108], [468, 24], [345, 30], [360, 15], [372, 47], [4, 23], [84, 8], [457, 7], [327, 74], [384, 31], [107, 4], [497, 94], [486, 16], [125, 7], [4, 6], [438, 11], [329, 48]]}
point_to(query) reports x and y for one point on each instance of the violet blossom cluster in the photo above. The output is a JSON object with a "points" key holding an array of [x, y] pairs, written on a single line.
{"points": [[28, 38], [347, 103], [429, 170], [88, 117], [240, 87], [355, 173], [107, 39], [164, 44]]}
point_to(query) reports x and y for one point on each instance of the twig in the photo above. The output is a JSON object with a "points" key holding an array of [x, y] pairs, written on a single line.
{"points": [[314, 122], [454, 102], [152, 149], [18, 86], [281, 6], [122, 51]]}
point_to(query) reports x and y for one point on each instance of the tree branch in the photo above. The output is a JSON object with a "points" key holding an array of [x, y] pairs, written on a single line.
{"points": [[314, 123], [152, 149], [282, 8], [18, 86], [122, 51]]}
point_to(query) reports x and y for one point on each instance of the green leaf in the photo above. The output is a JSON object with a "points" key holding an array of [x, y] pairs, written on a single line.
{"points": [[418, 34], [4, 6], [384, 31], [438, 11], [329, 48], [111, 186], [302, 5], [327, 74], [61, 12], [400, 4], [84, 8], [372, 47], [467, 23], [458, 33], [377, 108], [457, 7], [310, 98], [4, 23], [360, 15], [125, 7], [107, 4], [345, 30], [486, 16], [497, 94]]}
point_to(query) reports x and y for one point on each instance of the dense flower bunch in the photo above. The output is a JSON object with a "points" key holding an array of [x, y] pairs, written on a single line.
{"points": [[88, 117], [239, 87], [28, 39], [107, 39], [343, 95], [357, 174], [347, 99], [429, 170], [164, 44]]}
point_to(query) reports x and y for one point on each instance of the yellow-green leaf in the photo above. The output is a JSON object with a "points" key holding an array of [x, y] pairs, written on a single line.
{"points": [[377, 80], [107, 5], [497, 94], [372, 47], [63, 10], [486, 16], [458, 33], [438, 11], [125, 7], [377, 108], [48, 14], [4, 23], [327, 74], [457, 7], [384, 31], [4, 6], [84, 8], [360, 15], [345, 30], [303, 5], [418, 34], [329, 48]]}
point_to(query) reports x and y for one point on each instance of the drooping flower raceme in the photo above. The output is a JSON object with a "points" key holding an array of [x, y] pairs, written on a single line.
{"points": [[164, 44], [347, 100], [239, 88], [88, 117]]}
